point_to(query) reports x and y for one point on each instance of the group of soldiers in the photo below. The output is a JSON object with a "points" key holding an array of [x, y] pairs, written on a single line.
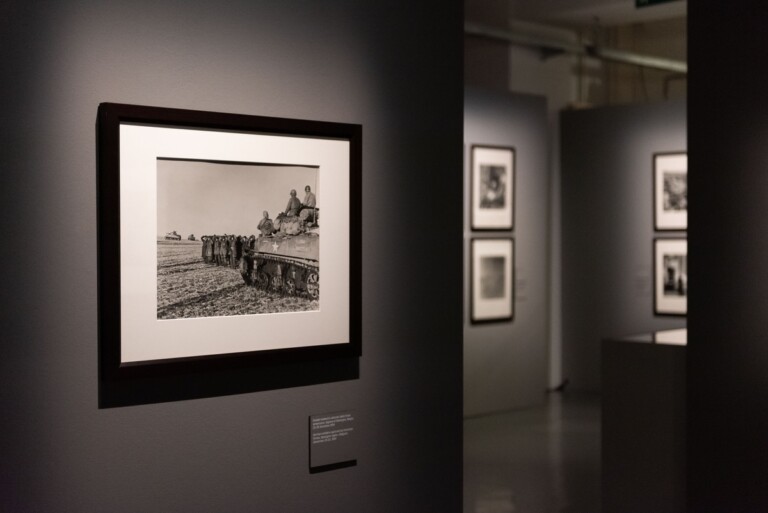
{"points": [[226, 250], [296, 218]]}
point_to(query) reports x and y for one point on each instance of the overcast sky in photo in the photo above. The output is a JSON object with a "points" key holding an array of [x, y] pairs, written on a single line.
{"points": [[210, 198]]}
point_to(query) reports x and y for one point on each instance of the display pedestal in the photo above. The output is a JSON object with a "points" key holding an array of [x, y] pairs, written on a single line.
{"points": [[643, 423]]}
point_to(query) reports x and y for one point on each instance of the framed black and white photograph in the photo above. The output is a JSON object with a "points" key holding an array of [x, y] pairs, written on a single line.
{"points": [[492, 189], [670, 186], [670, 257], [492, 280], [210, 246]]}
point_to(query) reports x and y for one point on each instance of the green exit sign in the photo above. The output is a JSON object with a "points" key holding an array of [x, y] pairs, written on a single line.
{"points": [[648, 3]]}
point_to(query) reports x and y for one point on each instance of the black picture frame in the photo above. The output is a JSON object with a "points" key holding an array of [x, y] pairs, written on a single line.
{"points": [[670, 207], [492, 280], [499, 212], [670, 276], [114, 124]]}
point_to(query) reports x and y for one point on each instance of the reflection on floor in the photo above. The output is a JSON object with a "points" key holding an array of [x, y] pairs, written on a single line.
{"points": [[540, 460]]}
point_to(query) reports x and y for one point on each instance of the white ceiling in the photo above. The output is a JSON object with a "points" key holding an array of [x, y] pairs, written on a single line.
{"points": [[579, 13]]}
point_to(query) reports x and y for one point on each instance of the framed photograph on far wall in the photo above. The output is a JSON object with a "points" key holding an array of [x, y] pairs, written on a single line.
{"points": [[670, 264], [670, 191], [492, 280], [492, 188], [209, 242]]}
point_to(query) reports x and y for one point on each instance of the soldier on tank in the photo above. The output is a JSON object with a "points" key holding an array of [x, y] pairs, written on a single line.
{"points": [[309, 207], [294, 205], [266, 226], [309, 198]]}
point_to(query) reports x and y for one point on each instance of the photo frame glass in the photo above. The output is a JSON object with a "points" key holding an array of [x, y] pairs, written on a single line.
{"points": [[220, 245], [670, 191], [492, 276], [492, 187], [671, 276]]}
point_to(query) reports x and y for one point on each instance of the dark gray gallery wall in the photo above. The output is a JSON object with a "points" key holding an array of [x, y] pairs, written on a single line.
{"points": [[505, 363], [728, 244], [607, 227], [392, 66]]}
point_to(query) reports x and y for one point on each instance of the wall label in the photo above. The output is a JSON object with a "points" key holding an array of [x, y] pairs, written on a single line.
{"points": [[332, 441], [521, 285]]}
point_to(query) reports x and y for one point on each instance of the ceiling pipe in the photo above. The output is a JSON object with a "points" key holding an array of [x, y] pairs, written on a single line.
{"points": [[554, 46]]}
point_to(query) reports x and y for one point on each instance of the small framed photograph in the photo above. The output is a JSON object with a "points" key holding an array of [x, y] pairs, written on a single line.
{"points": [[670, 186], [209, 248], [492, 188], [492, 280], [670, 259]]}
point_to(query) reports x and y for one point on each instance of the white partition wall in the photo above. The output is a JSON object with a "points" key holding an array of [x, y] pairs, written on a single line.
{"points": [[608, 227], [505, 362]]}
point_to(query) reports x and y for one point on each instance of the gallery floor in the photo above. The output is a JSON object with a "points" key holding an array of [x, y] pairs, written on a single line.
{"points": [[540, 460]]}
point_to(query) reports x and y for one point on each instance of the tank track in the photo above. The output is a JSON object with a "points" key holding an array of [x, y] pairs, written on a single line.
{"points": [[258, 271]]}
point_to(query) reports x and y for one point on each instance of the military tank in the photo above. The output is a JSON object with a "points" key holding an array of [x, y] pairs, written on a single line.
{"points": [[286, 264]]}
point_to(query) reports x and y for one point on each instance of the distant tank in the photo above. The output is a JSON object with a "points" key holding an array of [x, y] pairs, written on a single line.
{"points": [[172, 236], [288, 264], [191, 237]]}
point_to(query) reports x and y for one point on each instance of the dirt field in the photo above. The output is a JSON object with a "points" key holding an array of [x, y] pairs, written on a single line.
{"points": [[187, 287]]}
